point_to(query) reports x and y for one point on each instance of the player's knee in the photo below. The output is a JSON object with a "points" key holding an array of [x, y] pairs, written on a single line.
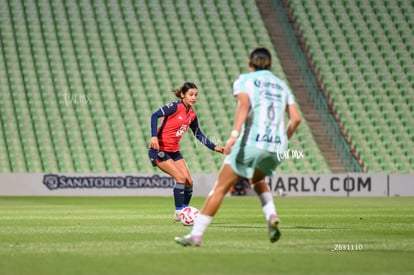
{"points": [[189, 183], [180, 178], [260, 186]]}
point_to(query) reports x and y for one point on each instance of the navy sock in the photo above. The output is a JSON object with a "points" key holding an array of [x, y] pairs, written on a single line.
{"points": [[179, 195], [188, 193]]}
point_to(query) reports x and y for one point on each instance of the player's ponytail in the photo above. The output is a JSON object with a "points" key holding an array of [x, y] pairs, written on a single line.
{"points": [[183, 89]]}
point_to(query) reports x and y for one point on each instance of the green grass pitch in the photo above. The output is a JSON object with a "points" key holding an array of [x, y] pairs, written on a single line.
{"points": [[134, 235]]}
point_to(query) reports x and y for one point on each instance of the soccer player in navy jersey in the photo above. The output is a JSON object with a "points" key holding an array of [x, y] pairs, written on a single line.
{"points": [[164, 147]]}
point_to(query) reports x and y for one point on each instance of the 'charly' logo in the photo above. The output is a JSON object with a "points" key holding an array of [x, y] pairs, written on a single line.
{"points": [[51, 181]]}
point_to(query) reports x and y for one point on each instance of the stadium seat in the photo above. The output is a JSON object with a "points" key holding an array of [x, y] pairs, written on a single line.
{"points": [[125, 56], [371, 69]]}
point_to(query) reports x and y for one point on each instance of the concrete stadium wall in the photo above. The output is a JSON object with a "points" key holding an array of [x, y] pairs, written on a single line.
{"points": [[358, 184]]}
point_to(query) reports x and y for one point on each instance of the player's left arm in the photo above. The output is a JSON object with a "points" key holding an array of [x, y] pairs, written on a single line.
{"points": [[293, 113], [202, 138]]}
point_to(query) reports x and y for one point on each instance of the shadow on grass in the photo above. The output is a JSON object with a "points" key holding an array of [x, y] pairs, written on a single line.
{"points": [[283, 227], [224, 225], [314, 228]]}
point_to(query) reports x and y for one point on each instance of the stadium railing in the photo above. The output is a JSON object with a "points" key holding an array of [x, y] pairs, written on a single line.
{"points": [[331, 126]]}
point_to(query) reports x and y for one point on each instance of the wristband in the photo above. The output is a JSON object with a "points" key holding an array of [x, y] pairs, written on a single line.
{"points": [[234, 133]]}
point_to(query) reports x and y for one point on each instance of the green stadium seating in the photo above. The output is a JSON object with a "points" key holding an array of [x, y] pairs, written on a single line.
{"points": [[362, 50], [122, 58]]}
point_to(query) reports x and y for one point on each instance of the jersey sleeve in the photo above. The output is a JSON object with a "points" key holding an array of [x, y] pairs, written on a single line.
{"points": [[290, 96], [169, 109], [239, 85], [165, 110], [200, 135]]}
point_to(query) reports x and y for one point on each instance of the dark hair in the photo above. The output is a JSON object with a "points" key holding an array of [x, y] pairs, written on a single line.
{"points": [[260, 58], [183, 89]]}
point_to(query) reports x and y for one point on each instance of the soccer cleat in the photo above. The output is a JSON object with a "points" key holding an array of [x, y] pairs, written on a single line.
{"points": [[274, 229], [176, 216], [188, 240]]}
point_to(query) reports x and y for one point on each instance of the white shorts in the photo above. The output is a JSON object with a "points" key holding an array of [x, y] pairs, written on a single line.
{"points": [[245, 159]]}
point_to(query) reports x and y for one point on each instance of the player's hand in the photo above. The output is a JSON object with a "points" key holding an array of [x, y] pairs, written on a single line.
{"points": [[154, 143], [229, 144], [219, 149]]}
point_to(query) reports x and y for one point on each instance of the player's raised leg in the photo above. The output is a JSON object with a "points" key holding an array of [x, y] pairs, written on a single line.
{"points": [[227, 177], [225, 181]]}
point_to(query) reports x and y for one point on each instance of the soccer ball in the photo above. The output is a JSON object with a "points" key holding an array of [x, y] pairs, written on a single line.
{"points": [[188, 215]]}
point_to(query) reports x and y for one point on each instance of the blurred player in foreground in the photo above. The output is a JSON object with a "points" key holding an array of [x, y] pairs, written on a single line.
{"points": [[164, 147], [259, 135]]}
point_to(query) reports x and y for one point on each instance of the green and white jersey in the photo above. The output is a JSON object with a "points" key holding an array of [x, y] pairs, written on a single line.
{"points": [[265, 123]]}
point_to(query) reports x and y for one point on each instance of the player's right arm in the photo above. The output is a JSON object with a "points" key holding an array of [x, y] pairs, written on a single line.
{"points": [[154, 133], [243, 106], [166, 110]]}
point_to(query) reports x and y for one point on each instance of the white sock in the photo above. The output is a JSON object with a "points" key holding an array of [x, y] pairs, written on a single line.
{"points": [[201, 224], [268, 206]]}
